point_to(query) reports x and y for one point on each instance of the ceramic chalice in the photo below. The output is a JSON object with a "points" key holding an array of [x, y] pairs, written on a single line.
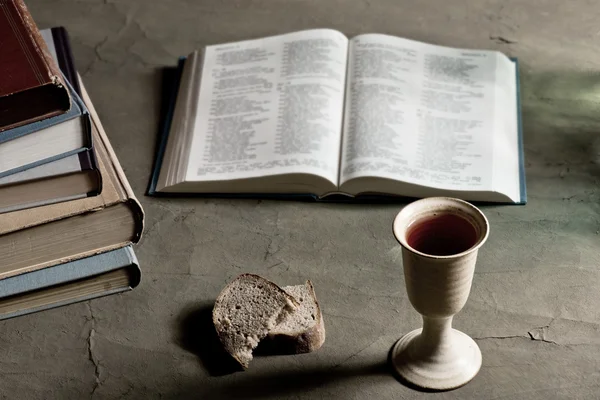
{"points": [[440, 238]]}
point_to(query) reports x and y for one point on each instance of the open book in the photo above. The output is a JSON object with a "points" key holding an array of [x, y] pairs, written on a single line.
{"points": [[314, 112]]}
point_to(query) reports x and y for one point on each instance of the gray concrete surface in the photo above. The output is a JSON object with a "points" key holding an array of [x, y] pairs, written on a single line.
{"points": [[535, 303]]}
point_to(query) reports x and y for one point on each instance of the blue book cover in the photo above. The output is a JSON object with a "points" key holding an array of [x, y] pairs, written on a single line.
{"points": [[522, 180], [165, 126], [78, 110], [22, 287], [170, 89]]}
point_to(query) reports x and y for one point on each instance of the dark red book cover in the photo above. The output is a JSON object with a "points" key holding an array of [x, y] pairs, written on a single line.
{"points": [[31, 85]]}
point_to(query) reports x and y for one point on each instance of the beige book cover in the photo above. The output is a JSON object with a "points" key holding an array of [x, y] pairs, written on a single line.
{"points": [[44, 236]]}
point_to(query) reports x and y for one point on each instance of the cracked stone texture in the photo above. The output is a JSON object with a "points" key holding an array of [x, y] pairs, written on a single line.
{"points": [[534, 306]]}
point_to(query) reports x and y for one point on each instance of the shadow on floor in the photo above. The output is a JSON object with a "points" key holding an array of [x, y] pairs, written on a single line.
{"points": [[197, 335], [284, 383], [277, 385]]}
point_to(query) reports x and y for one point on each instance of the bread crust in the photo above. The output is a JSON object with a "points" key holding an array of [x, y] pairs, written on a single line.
{"points": [[219, 309], [302, 342]]}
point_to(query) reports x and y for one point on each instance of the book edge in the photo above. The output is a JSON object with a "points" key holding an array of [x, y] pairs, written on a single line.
{"points": [[65, 60], [522, 176], [77, 110], [86, 267], [122, 195], [76, 299], [27, 206], [41, 162], [119, 173], [165, 130], [64, 52], [131, 263]]}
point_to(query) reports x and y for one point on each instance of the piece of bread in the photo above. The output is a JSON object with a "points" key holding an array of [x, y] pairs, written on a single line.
{"points": [[246, 310], [303, 330]]}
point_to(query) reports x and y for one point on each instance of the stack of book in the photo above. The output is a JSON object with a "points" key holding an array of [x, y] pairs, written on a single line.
{"points": [[68, 217]]}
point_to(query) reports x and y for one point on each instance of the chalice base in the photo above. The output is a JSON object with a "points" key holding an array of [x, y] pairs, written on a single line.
{"points": [[442, 368]]}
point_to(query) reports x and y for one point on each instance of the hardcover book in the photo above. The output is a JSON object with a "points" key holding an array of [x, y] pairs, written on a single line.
{"points": [[84, 161], [53, 234], [314, 113], [47, 140], [104, 274], [69, 178], [31, 86]]}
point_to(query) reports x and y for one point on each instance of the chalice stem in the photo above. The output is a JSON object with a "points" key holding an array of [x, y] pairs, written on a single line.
{"points": [[436, 335]]}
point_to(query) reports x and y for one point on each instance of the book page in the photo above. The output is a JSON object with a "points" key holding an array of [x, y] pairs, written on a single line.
{"points": [[507, 175], [271, 106], [420, 113]]}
